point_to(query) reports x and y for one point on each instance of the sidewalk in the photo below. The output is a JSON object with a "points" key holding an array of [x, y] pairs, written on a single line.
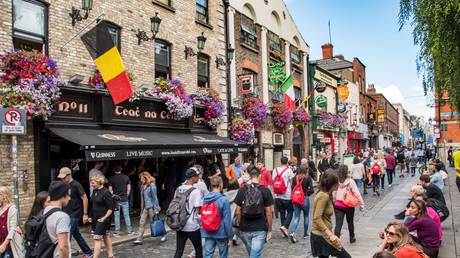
{"points": [[451, 226]]}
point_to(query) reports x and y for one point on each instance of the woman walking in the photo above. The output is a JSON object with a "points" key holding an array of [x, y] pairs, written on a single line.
{"points": [[9, 238], [347, 186], [150, 206], [323, 242], [358, 172], [398, 241], [101, 217], [305, 183]]}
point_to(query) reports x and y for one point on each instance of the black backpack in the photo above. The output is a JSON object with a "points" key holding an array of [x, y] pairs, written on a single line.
{"points": [[252, 206], [176, 214], [439, 207], [37, 240]]}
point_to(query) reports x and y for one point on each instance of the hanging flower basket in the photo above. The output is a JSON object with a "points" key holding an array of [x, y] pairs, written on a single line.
{"points": [[215, 108], [241, 130], [329, 120], [301, 116], [255, 110], [282, 116], [29, 80]]}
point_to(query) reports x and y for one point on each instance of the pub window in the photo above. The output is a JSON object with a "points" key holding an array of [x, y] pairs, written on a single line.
{"points": [[298, 96], [295, 54], [248, 32], [203, 70], [30, 25], [202, 10], [275, 43], [165, 2], [114, 31], [162, 59]]}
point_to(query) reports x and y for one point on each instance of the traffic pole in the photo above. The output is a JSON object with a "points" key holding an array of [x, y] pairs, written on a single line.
{"points": [[14, 165]]}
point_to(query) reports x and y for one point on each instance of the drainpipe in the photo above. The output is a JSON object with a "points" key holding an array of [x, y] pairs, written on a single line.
{"points": [[227, 79]]}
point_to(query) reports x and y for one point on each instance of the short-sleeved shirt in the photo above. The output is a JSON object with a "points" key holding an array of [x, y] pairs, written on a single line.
{"points": [[457, 162], [195, 201], [119, 183], [258, 224], [287, 177], [75, 207], [57, 223]]}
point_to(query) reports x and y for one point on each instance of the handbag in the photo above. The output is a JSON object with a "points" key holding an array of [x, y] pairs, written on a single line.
{"points": [[351, 199], [157, 227]]}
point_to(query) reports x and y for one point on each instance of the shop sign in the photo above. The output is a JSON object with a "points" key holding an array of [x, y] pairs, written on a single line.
{"points": [[247, 84], [277, 73], [343, 91], [320, 86], [342, 108], [325, 140], [325, 78], [74, 105], [321, 101], [320, 136], [380, 115], [14, 121]]}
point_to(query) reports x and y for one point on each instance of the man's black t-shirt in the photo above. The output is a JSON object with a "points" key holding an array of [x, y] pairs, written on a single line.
{"points": [[75, 207], [432, 191], [258, 224], [119, 183]]}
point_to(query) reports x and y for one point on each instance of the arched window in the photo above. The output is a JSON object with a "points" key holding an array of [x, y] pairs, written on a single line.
{"points": [[203, 70], [162, 59]]}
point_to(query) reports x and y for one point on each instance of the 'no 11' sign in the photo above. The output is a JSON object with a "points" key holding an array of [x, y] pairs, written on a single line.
{"points": [[14, 121]]}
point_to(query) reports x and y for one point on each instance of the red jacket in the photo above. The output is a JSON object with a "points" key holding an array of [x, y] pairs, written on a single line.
{"points": [[391, 161], [266, 177]]}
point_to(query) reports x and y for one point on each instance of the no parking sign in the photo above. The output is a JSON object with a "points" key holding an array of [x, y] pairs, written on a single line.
{"points": [[14, 121]]}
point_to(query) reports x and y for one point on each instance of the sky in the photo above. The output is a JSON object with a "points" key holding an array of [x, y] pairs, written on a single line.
{"points": [[369, 30]]}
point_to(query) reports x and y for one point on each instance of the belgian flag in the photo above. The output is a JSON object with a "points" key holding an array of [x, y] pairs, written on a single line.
{"points": [[108, 60]]}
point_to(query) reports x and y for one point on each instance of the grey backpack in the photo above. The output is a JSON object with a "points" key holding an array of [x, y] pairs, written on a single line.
{"points": [[176, 214]]}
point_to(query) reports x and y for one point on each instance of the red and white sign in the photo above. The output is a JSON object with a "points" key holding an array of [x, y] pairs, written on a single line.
{"points": [[13, 121], [12, 117], [247, 84]]}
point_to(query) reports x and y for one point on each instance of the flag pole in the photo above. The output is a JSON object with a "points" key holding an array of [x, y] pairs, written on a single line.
{"points": [[97, 20]]}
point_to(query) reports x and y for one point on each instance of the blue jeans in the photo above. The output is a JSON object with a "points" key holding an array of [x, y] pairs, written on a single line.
{"points": [[75, 232], [297, 210], [122, 206], [7, 254], [210, 246], [254, 242], [359, 183]]}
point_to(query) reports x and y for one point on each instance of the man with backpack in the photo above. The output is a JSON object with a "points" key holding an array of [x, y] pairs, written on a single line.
{"points": [[216, 220], [282, 179], [376, 168], [182, 214], [77, 207], [51, 230], [253, 214]]}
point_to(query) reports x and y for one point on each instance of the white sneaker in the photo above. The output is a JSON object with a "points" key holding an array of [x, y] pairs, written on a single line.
{"points": [[389, 186], [163, 238], [132, 234]]}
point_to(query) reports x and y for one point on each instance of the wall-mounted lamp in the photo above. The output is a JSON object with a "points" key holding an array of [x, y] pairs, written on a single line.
{"points": [[219, 61], [201, 42], [86, 5], [230, 53], [155, 22]]}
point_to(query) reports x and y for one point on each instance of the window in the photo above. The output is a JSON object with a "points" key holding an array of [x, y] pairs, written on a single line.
{"points": [[202, 10], [298, 96], [114, 31], [203, 71], [443, 127], [165, 2], [295, 54], [248, 32], [30, 25], [162, 59], [275, 43], [254, 75]]}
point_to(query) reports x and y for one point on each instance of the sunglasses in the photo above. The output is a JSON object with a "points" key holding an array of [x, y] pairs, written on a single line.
{"points": [[392, 234]]}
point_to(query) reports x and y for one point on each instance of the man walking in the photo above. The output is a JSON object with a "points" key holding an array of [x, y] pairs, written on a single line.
{"points": [[76, 208], [266, 176], [282, 179], [120, 187], [57, 221], [401, 158], [216, 220], [390, 168], [254, 214], [323, 164]]}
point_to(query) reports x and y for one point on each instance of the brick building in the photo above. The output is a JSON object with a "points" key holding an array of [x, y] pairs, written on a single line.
{"points": [[263, 33], [448, 118], [46, 26]]}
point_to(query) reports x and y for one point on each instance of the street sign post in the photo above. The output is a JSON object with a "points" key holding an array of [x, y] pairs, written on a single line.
{"points": [[14, 123]]}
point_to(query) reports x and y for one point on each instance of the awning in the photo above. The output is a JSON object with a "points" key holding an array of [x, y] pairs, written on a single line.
{"points": [[118, 145]]}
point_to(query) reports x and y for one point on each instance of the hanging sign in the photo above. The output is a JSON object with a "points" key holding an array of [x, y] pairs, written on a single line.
{"points": [[320, 86], [321, 101], [344, 92], [380, 115], [342, 108], [247, 84], [14, 121], [277, 73]]}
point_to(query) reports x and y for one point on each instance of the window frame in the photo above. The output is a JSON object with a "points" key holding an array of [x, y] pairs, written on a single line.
{"points": [[255, 75], [270, 41], [44, 37], [161, 68], [248, 32], [112, 25], [294, 54], [198, 15], [208, 76], [297, 93]]}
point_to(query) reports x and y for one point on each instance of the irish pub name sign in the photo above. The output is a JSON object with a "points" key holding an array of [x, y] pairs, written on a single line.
{"points": [[82, 105]]}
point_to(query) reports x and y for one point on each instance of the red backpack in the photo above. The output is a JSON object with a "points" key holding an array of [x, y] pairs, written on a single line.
{"points": [[298, 195], [210, 216], [375, 168], [279, 187]]}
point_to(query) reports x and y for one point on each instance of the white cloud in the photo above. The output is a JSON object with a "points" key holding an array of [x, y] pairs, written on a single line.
{"points": [[391, 92]]}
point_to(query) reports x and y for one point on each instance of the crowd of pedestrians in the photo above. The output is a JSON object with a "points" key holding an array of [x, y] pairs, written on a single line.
{"points": [[212, 217]]}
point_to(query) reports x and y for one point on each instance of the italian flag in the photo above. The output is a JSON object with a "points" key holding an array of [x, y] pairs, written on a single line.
{"points": [[287, 89]]}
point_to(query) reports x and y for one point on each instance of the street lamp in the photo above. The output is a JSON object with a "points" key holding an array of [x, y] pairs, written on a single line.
{"points": [[155, 22], [201, 41], [86, 5]]}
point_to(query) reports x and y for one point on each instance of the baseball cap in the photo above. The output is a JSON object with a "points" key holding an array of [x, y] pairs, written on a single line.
{"points": [[191, 172], [57, 190], [63, 172]]}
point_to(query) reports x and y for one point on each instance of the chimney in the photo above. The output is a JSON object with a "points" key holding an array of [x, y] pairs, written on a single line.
{"points": [[327, 51], [371, 89]]}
